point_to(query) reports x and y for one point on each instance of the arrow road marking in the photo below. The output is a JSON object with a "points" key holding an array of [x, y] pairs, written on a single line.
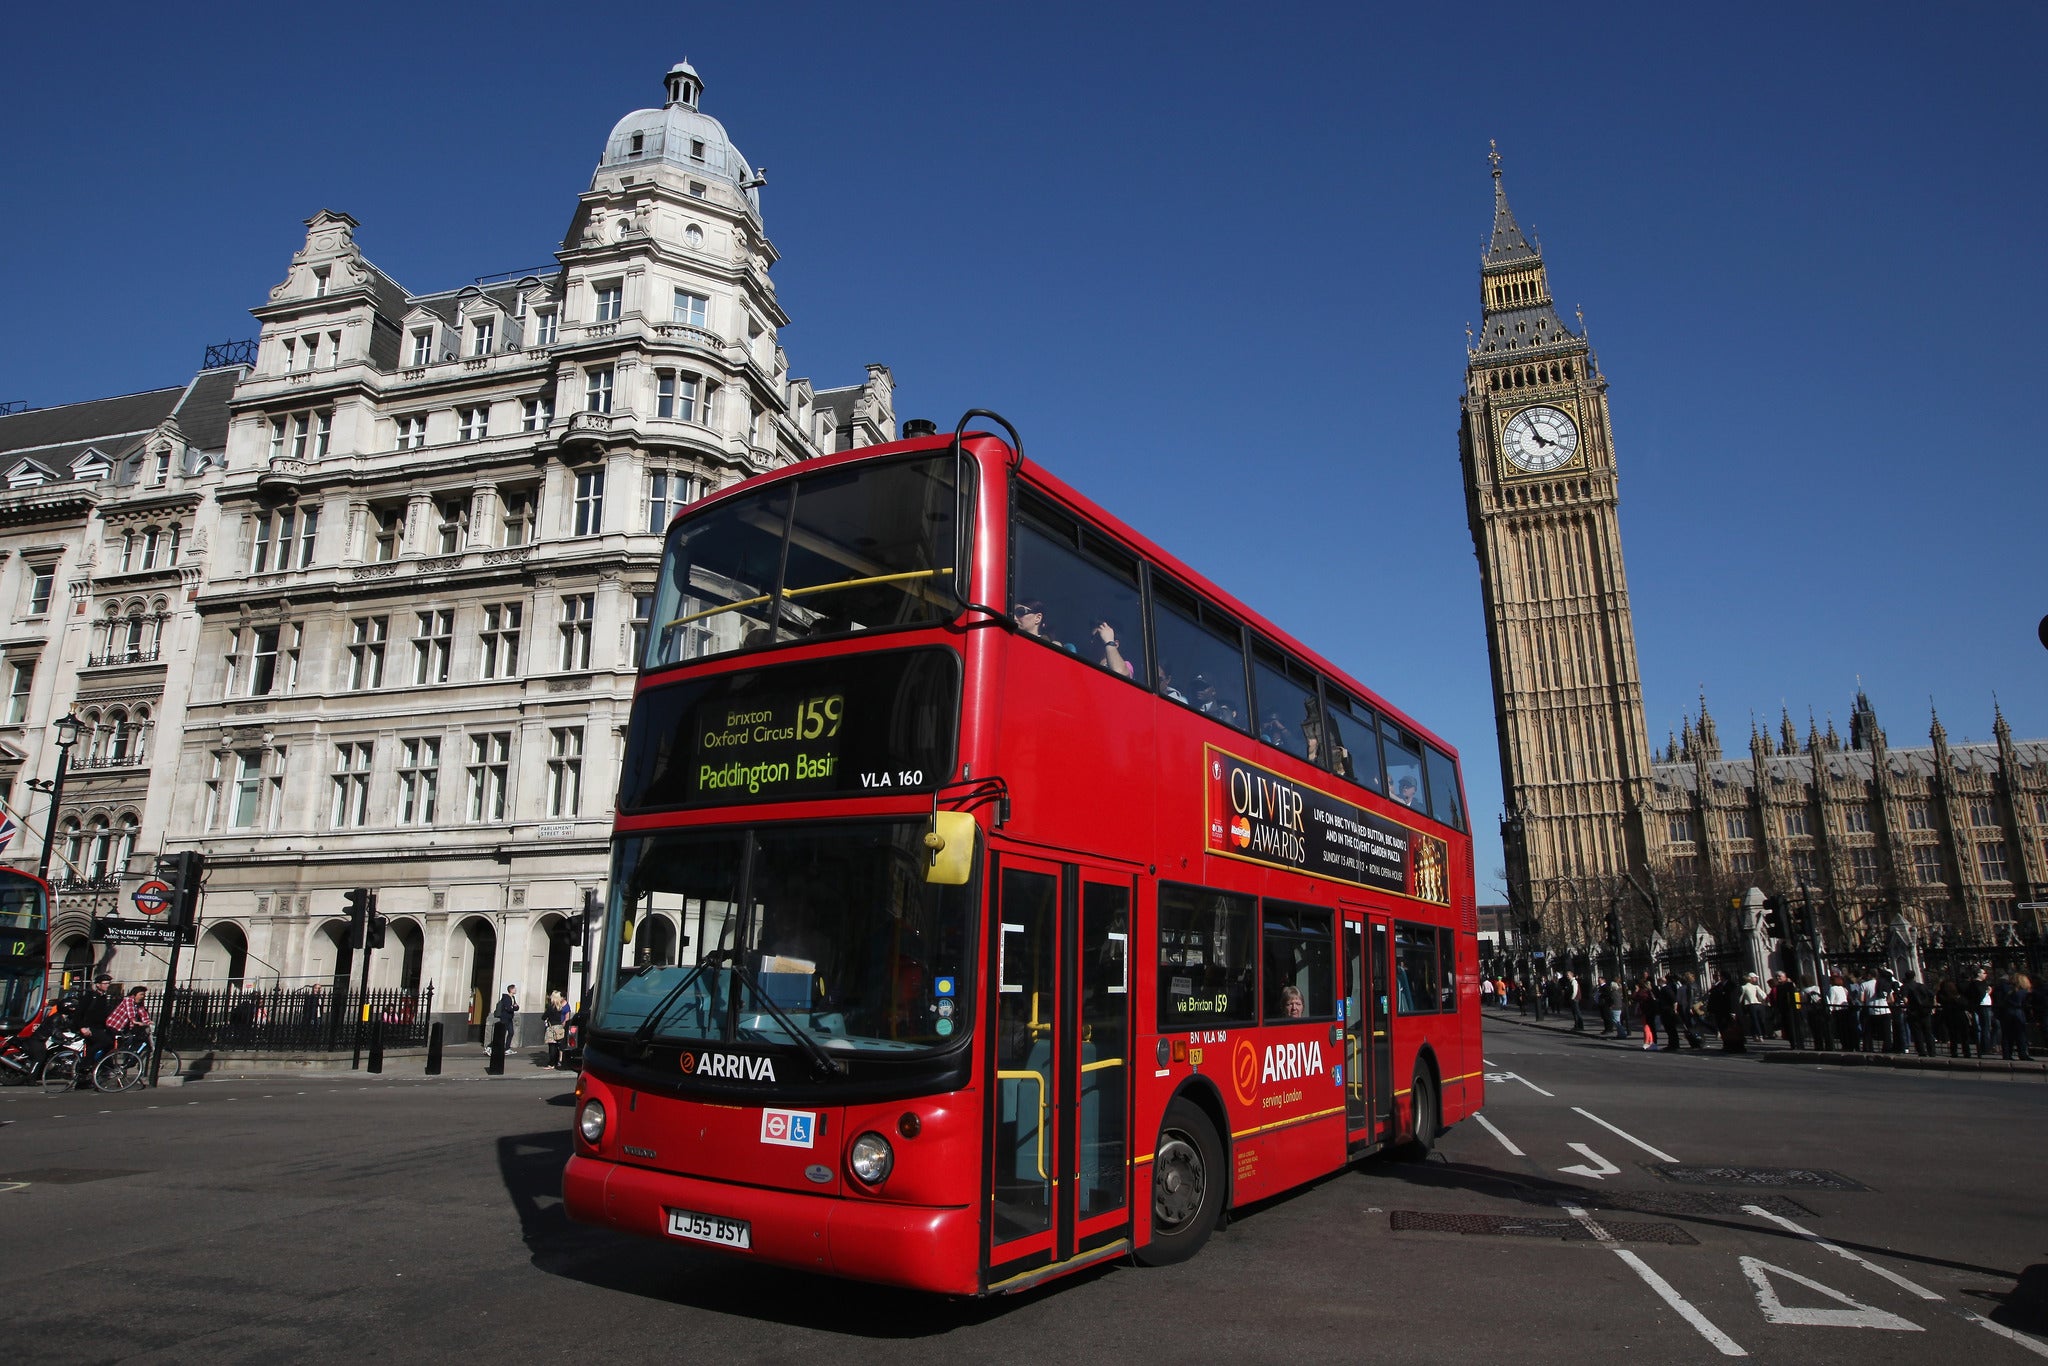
{"points": [[1857, 1315], [1600, 1171]]}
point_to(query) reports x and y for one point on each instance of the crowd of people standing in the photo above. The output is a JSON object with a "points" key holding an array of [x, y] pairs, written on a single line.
{"points": [[1970, 1013]]}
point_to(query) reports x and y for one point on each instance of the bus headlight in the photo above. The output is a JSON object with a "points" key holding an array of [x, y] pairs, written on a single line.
{"points": [[591, 1122], [871, 1158]]}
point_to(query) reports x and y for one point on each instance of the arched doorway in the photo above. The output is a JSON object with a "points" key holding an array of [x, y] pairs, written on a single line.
{"points": [[478, 945], [547, 960], [654, 942], [411, 943], [75, 958], [223, 957]]}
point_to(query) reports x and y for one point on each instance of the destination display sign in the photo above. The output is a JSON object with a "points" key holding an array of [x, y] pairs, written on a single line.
{"points": [[1260, 816], [870, 725]]}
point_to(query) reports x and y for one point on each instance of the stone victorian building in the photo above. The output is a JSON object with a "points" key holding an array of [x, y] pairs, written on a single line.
{"points": [[1595, 822], [426, 532]]}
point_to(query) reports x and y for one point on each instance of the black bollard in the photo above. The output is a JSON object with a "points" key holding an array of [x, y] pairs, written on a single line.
{"points": [[497, 1064], [434, 1050], [377, 1045]]}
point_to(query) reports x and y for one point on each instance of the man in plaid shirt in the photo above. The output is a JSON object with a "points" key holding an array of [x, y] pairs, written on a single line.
{"points": [[131, 1013]]}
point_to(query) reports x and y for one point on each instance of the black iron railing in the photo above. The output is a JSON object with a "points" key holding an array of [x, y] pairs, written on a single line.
{"points": [[231, 353], [281, 1019]]}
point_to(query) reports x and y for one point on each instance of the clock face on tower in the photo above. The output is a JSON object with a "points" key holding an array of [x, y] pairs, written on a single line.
{"points": [[1538, 440]]}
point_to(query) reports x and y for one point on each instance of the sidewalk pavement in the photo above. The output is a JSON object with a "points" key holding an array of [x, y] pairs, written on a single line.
{"points": [[1768, 1050], [461, 1062]]}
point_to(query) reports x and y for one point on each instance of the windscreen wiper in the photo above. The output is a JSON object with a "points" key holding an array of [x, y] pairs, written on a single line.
{"points": [[815, 1051], [645, 1033]]}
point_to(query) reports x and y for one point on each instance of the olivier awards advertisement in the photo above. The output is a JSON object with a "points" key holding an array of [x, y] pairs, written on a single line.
{"points": [[1259, 816]]}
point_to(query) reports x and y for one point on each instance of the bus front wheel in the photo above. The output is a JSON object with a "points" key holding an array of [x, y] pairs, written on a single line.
{"points": [[1187, 1185]]}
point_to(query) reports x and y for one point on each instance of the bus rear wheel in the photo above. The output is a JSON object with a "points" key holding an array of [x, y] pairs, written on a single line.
{"points": [[1187, 1185], [1422, 1099]]}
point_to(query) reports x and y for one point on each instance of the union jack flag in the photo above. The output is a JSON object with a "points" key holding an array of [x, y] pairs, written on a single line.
{"points": [[7, 831]]}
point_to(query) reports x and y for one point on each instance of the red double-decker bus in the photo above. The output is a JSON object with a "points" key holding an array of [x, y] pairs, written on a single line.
{"points": [[24, 947], [992, 895]]}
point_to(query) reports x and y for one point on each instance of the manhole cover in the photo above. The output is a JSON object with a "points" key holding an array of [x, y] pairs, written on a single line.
{"points": [[1565, 1229], [66, 1176], [1699, 1202], [1793, 1178]]}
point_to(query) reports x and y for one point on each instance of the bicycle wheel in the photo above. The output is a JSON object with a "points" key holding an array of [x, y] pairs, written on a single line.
{"points": [[60, 1074], [120, 1070], [171, 1066]]}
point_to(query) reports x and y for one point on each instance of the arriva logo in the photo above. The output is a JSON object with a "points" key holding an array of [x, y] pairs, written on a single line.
{"points": [[727, 1066], [1292, 1061]]}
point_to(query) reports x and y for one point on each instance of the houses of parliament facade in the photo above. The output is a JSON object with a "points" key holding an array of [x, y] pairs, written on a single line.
{"points": [[1946, 837]]}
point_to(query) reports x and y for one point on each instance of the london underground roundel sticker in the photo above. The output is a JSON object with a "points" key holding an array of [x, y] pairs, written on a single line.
{"points": [[152, 896]]}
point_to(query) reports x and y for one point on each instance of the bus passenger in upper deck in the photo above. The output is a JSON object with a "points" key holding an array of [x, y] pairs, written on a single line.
{"points": [[1405, 792], [1030, 618], [1274, 732], [1210, 704], [1112, 655], [1166, 688]]}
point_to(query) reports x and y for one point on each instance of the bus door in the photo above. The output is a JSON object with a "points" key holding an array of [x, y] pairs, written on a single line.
{"points": [[1368, 1055], [1060, 1008]]}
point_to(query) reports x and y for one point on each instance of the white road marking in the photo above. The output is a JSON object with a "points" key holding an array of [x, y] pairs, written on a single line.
{"points": [[1489, 1062], [1660, 1156], [1722, 1342], [1894, 1277], [1516, 1076], [1599, 1171], [1857, 1315], [2031, 1344], [1586, 1221], [1505, 1141]]}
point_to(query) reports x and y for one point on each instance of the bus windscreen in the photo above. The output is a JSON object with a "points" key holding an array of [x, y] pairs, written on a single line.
{"points": [[839, 552]]}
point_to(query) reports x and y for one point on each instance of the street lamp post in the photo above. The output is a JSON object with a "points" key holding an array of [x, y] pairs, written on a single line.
{"points": [[67, 730]]}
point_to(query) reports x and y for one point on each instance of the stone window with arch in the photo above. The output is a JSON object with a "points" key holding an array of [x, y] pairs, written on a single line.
{"points": [[150, 547], [117, 735], [98, 849], [131, 632]]}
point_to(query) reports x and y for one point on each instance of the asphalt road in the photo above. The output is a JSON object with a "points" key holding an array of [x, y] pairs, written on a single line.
{"points": [[318, 1220]]}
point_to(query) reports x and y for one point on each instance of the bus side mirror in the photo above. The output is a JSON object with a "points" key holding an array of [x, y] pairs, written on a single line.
{"points": [[952, 844]]}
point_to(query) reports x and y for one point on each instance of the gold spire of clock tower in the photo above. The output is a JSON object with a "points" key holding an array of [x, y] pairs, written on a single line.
{"points": [[1543, 504]]}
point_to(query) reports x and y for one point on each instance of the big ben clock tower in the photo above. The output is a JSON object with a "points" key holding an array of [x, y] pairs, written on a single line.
{"points": [[1540, 493]]}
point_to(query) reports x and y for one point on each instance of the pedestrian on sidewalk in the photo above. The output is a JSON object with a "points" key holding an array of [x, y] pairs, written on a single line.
{"points": [[506, 1016], [1880, 1011], [555, 1027], [1840, 1016], [1570, 987], [1955, 1018], [1723, 1004], [2010, 1004], [1785, 1005], [1978, 997], [1646, 1010], [1919, 1011], [1608, 997], [1816, 997], [1752, 997]]}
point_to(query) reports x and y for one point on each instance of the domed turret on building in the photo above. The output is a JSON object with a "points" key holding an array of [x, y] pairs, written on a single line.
{"points": [[679, 142]]}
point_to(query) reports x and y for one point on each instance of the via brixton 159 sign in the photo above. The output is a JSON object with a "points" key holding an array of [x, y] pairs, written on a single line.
{"points": [[1259, 816]]}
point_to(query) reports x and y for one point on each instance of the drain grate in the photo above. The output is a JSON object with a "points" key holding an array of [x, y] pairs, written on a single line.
{"points": [[1563, 1229], [1699, 1202], [66, 1176], [1795, 1178]]}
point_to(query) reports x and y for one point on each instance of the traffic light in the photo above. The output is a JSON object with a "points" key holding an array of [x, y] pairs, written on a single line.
{"points": [[377, 925], [185, 869], [1773, 925], [1614, 926], [357, 900]]}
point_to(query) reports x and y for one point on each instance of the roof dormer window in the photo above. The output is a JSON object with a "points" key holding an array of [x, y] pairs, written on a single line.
{"points": [[638, 145], [697, 189], [321, 281], [696, 149]]}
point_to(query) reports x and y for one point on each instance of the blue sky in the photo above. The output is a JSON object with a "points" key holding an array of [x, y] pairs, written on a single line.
{"points": [[1216, 263]]}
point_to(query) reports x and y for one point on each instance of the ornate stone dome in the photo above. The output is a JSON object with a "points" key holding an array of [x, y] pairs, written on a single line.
{"points": [[680, 137]]}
